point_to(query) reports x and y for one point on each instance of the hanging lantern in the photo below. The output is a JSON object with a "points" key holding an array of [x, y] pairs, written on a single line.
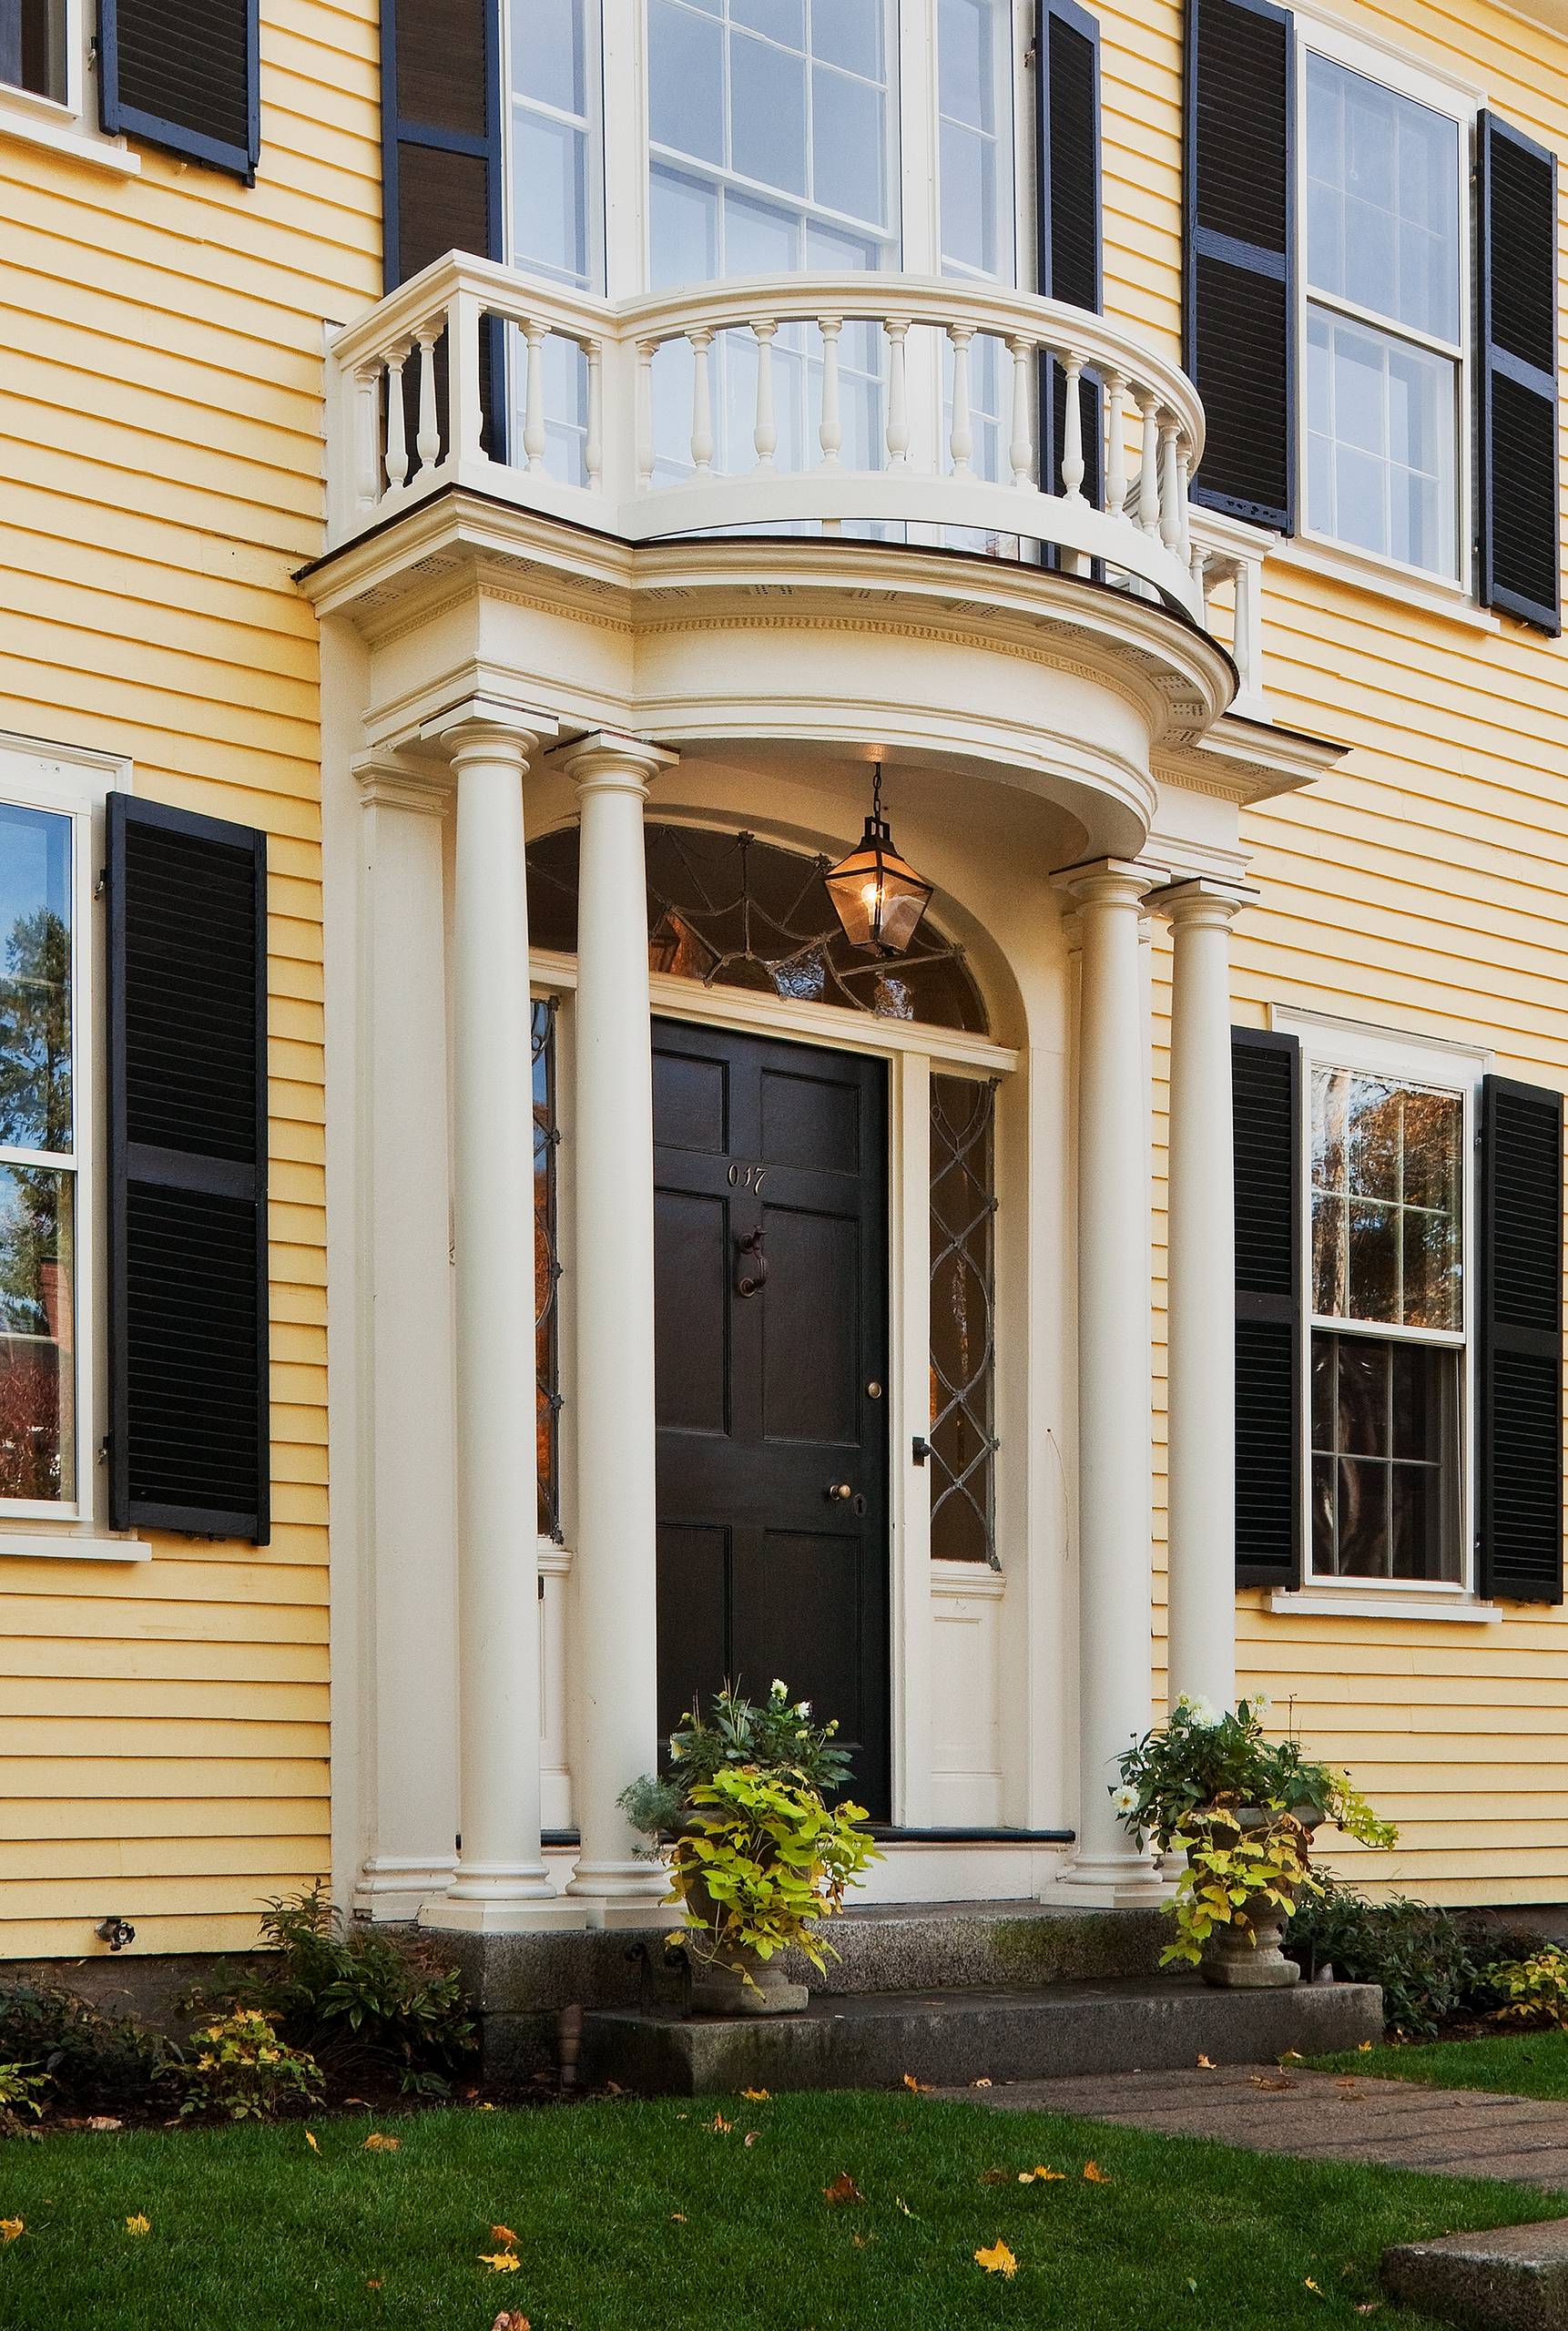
{"points": [[877, 895]]}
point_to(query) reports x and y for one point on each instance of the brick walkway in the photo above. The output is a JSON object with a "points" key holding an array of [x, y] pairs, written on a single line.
{"points": [[1455, 2132]]}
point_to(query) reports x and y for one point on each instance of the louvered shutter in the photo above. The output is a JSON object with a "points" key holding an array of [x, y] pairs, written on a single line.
{"points": [[1516, 203], [441, 127], [1068, 125], [186, 79], [189, 1436], [1518, 1534], [1239, 262], [1266, 1085]]}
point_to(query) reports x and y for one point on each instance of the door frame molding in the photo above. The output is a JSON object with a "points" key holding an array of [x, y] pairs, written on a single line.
{"points": [[914, 1051]]}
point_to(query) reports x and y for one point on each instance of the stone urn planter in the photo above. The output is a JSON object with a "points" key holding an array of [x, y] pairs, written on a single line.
{"points": [[1247, 1955], [734, 1982]]}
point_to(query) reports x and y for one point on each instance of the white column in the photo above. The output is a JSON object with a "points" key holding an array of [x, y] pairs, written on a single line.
{"points": [[501, 1885], [408, 1526], [1202, 1296], [615, 1563], [1115, 1606]]}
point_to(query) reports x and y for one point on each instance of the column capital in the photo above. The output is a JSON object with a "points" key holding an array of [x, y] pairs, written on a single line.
{"points": [[484, 721], [1203, 903], [1109, 881], [402, 781], [610, 760]]}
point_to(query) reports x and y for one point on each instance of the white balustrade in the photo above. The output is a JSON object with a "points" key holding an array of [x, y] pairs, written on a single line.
{"points": [[819, 351]]}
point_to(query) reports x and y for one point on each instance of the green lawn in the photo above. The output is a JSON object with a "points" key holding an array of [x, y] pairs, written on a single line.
{"points": [[638, 2217], [1511, 2063]]}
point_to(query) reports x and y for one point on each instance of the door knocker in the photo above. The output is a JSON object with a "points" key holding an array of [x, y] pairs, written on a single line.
{"points": [[749, 1282]]}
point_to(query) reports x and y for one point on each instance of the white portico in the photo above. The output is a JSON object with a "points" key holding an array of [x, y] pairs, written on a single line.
{"points": [[941, 1506]]}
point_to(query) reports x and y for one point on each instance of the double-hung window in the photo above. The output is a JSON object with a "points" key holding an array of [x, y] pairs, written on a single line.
{"points": [[1388, 1371], [45, 1115], [33, 47], [1385, 286]]}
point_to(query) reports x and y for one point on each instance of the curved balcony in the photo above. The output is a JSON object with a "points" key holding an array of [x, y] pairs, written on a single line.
{"points": [[903, 405]]}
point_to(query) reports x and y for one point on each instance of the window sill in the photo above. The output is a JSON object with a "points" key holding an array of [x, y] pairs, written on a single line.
{"points": [[1449, 602], [61, 1545], [1324, 1603], [59, 134]]}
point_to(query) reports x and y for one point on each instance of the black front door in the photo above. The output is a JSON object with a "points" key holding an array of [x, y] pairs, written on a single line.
{"points": [[770, 1170]]}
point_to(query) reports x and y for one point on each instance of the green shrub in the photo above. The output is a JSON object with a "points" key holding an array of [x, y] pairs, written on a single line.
{"points": [[358, 2002], [93, 2062], [244, 2072], [21, 2088], [1423, 1956]]}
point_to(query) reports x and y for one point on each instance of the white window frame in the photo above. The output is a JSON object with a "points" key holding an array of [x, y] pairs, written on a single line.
{"points": [[1391, 69], [69, 125], [592, 120], [1330, 1042], [70, 781]]}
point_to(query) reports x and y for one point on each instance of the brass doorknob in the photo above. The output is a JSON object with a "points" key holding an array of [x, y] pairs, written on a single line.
{"points": [[839, 1490]]}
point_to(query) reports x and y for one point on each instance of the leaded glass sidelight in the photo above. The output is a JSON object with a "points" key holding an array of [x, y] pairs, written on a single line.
{"points": [[963, 1320], [546, 1270]]}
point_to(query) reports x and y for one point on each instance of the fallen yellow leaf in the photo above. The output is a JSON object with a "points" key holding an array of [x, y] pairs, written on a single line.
{"points": [[916, 2087], [310, 2140], [485, 2108], [138, 2225], [509, 2321], [502, 2262], [981, 2082], [755, 2095], [842, 2189], [1365, 2050], [1095, 2175], [1292, 2056], [900, 2204], [751, 2136], [1308, 2284], [373, 2283], [502, 2237], [678, 2217], [1205, 2064], [377, 2143], [997, 2260], [1040, 2176], [721, 2127], [11, 2227]]}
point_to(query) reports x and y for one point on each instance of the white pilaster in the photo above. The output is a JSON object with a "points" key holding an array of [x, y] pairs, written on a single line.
{"points": [[1114, 1586], [616, 1564], [405, 1307], [1202, 1282], [500, 1884]]}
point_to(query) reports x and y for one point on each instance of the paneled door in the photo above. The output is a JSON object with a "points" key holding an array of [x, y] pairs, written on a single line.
{"points": [[770, 1177]]}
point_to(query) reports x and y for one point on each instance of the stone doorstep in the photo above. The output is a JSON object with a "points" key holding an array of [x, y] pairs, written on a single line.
{"points": [[952, 2038], [1514, 2278]]}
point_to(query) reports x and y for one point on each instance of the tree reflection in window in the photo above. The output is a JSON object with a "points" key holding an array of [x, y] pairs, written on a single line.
{"points": [[730, 911], [962, 1322], [547, 1270]]}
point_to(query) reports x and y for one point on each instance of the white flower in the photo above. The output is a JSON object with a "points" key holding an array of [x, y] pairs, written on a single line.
{"points": [[779, 1689], [676, 1751], [1259, 1702], [803, 1707], [1203, 1712], [1124, 1799]]}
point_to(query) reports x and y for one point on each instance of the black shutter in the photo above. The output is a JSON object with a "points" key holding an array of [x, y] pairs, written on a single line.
{"points": [[1518, 1534], [1239, 262], [1265, 1086], [189, 1436], [1516, 207], [1067, 181], [440, 132], [188, 79]]}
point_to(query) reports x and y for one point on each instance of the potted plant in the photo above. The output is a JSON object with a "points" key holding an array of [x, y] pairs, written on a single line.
{"points": [[1242, 1808], [760, 1852]]}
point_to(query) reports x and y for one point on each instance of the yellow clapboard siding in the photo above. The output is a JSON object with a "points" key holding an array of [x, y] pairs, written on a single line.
{"points": [[129, 1781], [139, 1896], [49, 1819], [60, 1938], [231, 1855]]}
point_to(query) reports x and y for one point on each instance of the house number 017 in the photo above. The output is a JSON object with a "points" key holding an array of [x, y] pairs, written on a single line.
{"points": [[746, 1178]]}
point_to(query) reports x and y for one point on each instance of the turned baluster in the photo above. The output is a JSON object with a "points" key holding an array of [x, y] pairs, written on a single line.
{"points": [[1184, 501], [896, 331], [830, 433], [961, 441], [367, 434], [1115, 444], [593, 436], [765, 435], [1073, 463], [645, 430], [533, 438], [1149, 465], [397, 420], [464, 394], [427, 444], [701, 339], [1021, 453], [1170, 484]]}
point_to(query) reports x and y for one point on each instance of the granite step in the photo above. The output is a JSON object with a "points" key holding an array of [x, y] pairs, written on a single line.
{"points": [[953, 2038]]}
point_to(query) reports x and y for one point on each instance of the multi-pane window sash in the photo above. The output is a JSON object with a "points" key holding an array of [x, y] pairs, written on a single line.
{"points": [[1387, 1332], [39, 1160], [547, 1268], [964, 1443]]}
